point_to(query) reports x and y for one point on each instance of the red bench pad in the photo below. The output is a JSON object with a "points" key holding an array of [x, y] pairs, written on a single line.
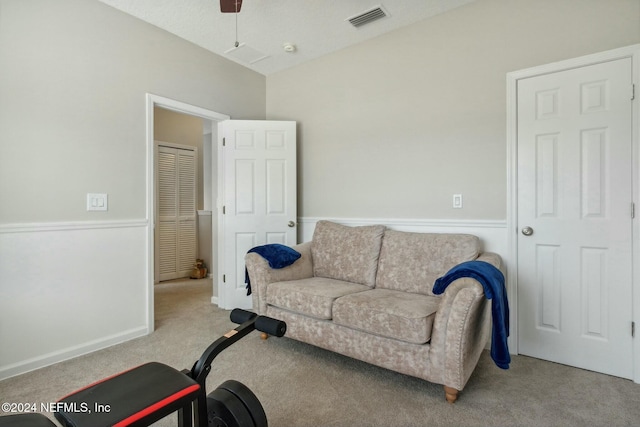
{"points": [[139, 396]]}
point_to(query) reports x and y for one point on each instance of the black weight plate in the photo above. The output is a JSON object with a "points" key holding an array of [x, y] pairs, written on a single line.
{"points": [[225, 409], [249, 400]]}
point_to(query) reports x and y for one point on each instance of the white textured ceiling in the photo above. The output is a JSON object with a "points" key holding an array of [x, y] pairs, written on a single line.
{"points": [[315, 27]]}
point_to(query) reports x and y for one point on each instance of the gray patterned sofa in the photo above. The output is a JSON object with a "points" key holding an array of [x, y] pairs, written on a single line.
{"points": [[366, 292]]}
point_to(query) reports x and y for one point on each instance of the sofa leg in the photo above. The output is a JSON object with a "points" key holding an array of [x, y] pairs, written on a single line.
{"points": [[451, 394], [264, 335]]}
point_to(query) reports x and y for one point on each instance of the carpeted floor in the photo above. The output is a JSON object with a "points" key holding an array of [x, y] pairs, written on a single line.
{"points": [[300, 385]]}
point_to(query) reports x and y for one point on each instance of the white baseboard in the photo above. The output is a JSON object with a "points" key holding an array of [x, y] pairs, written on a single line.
{"points": [[69, 353]]}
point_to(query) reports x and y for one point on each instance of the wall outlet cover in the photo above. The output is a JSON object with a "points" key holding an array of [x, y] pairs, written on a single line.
{"points": [[97, 202], [457, 201]]}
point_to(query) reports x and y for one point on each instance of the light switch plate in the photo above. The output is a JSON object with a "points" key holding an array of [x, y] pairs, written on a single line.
{"points": [[97, 202], [457, 201]]}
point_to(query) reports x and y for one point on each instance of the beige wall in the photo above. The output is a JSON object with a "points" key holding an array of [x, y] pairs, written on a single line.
{"points": [[74, 75], [72, 104], [393, 127]]}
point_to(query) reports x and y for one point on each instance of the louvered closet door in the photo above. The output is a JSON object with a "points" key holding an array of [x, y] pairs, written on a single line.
{"points": [[176, 225]]}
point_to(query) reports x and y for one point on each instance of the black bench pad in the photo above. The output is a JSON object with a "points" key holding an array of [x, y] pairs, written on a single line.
{"points": [[26, 420], [136, 397]]}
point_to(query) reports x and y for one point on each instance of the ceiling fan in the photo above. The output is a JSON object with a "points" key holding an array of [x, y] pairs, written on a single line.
{"points": [[230, 6]]}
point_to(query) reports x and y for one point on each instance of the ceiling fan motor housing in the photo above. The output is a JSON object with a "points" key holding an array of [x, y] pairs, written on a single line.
{"points": [[230, 6]]}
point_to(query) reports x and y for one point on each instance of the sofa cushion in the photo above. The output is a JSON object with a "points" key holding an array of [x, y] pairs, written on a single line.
{"points": [[394, 314], [412, 262], [313, 297], [346, 253]]}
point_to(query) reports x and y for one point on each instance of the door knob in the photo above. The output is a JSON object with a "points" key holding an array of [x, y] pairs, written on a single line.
{"points": [[527, 231], [291, 224]]}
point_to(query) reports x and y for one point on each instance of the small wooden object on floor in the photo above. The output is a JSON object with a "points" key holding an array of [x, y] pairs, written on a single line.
{"points": [[451, 394]]}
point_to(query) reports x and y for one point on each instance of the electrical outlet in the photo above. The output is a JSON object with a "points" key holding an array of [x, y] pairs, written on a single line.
{"points": [[457, 201]]}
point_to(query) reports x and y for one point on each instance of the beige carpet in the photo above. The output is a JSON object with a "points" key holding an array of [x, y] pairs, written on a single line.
{"points": [[300, 385]]}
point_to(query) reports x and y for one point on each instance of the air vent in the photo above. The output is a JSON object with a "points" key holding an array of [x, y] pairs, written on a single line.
{"points": [[368, 17]]}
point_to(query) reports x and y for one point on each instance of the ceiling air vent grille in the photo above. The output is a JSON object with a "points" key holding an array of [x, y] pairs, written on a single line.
{"points": [[368, 17]]}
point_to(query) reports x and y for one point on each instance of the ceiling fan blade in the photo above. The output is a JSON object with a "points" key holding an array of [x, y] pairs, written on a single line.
{"points": [[230, 6]]}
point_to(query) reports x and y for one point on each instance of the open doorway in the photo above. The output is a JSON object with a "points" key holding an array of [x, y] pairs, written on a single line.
{"points": [[166, 119], [178, 170]]}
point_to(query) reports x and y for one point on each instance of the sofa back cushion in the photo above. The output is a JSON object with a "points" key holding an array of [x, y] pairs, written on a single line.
{"points": [[412, 262], [346, 253]]}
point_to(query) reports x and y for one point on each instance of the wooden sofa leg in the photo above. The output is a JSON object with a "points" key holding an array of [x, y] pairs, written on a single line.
{"points": [[451, 394], [264, 335]]}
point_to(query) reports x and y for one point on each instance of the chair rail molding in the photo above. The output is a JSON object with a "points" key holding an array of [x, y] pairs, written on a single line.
{"points": [[31, 227], [493, 233]]}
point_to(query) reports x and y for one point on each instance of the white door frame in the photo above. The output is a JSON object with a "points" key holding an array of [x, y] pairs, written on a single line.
{"points": [[632, 52], [180, 107]]}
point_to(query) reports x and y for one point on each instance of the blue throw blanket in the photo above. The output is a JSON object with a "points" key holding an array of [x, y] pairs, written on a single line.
{"points": [[277, 255], [492, 281]]}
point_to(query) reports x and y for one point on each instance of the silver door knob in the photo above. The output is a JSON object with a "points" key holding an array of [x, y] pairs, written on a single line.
{"points": [[527, 231], [291, 224]]}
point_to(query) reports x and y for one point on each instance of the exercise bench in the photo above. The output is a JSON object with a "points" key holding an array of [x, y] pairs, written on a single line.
{"points": [[145, 394]]}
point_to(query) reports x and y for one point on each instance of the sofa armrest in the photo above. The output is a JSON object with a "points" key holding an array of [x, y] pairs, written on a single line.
{"points": [[261, 274], [461, 328], [493, 259]]}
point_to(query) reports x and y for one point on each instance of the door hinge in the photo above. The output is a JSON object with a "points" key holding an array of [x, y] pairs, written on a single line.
{"points": [[633, 91], [224, 278], [224, 210], [633, 210], [633, 329], [224, 142]]}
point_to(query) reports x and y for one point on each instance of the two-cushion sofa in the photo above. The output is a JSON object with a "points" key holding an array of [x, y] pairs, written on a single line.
{"points": [[366, 292]]}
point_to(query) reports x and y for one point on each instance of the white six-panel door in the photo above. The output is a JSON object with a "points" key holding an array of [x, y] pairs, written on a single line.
{"points": [[259, 197], [574, 150]]}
